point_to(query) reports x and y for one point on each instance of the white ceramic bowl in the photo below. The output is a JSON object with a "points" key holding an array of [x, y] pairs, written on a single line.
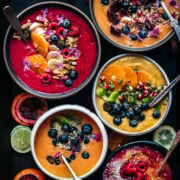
{"points": [[81, 109]]}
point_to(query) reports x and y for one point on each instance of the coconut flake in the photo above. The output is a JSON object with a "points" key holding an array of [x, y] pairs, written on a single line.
{"points": [[44, 11], [50, 32], [26, 64], [75, 52], [154, 33], [60, 20]]}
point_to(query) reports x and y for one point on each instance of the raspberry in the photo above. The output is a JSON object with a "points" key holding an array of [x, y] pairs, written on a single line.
{"points": [[122, 172], [60, 31], [46, 78], [141, 166], [139, 176], [65, 52], [74, 31], [130, 169], [53, 26]]}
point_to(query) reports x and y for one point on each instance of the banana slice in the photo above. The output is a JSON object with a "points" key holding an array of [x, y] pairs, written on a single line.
{"points": [[53, 48], [35, 25], [40, 31], [54, 63], [54, 55]]}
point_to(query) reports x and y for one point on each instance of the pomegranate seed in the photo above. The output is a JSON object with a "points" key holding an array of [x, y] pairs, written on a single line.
{"points": [[102, 78], [120, 98], [140, 96], [151, 94], [138, 87], [144, 95], [145, 88], [106, 86], [145, 92], [141, 84], [155, 94], [139, 13]]}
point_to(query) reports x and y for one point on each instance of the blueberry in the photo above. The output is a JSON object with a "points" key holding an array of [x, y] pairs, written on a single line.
{"points": [[73, 74], [57, 161], [122, 114], [143, 33], [116, 109], [68, 160], [52, 133], [130, 114], [156, 114], [75, 141], [125, 30], [65, 127], [81, 135], [53, 38], [141, 117], [144, 106], [107, 106], [63, 139], [125, 5], [73, 128], [54, 141], [165, 16], [125, 106], [66, 23], [85, 155], [105, 2], [86, 140], [117, 121], [133, 123], [86, 129], [50, 159], [133, 8], [78, 148], [137, 110], [72, 156], [68, 82], [133, 37]]}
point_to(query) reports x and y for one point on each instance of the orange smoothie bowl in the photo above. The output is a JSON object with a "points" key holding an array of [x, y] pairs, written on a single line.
{"points": [[134, 25], [62, 52], [123, 90], [138, 160], [76, 133]]}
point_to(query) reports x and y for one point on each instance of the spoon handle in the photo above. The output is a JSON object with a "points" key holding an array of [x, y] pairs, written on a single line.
{"points": [[70, 169], [13, 20], [161, 95], [174, 144]]}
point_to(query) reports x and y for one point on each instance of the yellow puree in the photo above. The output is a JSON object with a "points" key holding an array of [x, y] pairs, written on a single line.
{"points": [[44, 148], [157, 79], [100, 13]]}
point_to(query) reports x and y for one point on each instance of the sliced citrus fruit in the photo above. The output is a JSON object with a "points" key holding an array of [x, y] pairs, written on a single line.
{"points": [[116, 74], [143, 76], [131, 76], [164, 136], [20, 139], [40, 43], [30, 174], [38, 63]]}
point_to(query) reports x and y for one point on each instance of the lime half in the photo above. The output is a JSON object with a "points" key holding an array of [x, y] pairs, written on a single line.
{"points": [[17, 127], [20, 139], [164, 136]]}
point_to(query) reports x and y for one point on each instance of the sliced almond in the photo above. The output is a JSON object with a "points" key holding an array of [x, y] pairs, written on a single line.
{"points": [[35, 25], [53, 63], [54, 55]]}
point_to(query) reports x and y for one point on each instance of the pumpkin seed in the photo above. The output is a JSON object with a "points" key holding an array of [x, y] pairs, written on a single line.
{"points": [[120, 81]]}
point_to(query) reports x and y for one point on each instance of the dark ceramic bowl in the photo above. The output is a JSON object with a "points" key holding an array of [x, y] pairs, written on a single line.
{"points": [[151, 144], [7, 58], [125, 47]]}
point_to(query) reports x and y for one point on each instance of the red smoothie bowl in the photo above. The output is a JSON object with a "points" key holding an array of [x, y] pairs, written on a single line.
{"points": [[62, 54], [138, 160]]}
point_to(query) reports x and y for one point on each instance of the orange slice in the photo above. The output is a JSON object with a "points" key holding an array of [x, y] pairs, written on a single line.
{"points": [[40, 42], [131, 76], [38, 63], [143, 76], [115, 73]]}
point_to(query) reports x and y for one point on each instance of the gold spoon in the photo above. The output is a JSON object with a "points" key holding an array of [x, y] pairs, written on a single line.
{"points": [[174, 144], [75, 177]]}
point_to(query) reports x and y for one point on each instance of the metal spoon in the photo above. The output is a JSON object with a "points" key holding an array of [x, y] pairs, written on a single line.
{"points": [[70, 169], [14, 21], [161, 95], [174, 144]]}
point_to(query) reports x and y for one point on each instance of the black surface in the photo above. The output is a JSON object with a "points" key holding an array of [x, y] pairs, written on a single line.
{"points": [[11, 162]]}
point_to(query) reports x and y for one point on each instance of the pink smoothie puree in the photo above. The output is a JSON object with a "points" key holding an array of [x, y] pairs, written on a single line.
{"points": [[60, 54]]}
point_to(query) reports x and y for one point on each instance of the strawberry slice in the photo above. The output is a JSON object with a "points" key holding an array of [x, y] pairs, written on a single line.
{"points": [[141, 166], [130, 169]]}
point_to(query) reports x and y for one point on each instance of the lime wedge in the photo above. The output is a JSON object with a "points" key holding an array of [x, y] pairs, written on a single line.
{"points": [[164, 136], [20, 139]]}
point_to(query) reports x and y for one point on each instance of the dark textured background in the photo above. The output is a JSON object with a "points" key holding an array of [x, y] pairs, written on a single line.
{"points": [[11, 162]]}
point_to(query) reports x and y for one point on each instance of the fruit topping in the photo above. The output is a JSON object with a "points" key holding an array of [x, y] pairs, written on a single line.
{"points": [[53, 26], [125, 30], [74, 31], [65, 127], [130, 169], [75, 141], [85, 155], [30, 174], [52, 133], [86, 140], [66, 23], [66, 52], [72, 157], [115, 30], [105, 2], [86, 129], [68, 82], [60, 32], [73, 128], [133, 37], [117, 120], [165, 16], [156, 114], [73, 74], [107, 106], [54, 38], [46, 78], [133, 8], [141, 166], [133, 123], [137, 110], [63, 138], [143, 33]]}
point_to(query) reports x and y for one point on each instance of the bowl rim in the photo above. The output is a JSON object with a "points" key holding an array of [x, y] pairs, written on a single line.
{"points": [[163, 41], [151, 144], [78, 108], [25, 87], [126, 132]]}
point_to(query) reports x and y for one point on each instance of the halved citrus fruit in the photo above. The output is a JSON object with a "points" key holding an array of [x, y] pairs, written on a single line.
{"points": [[143, 76], [131, 76], [116, 74], [30, 174], [38, 63], [40, 43]]}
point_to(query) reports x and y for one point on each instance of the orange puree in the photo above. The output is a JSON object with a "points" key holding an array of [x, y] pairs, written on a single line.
{"points": [[44, 148]]}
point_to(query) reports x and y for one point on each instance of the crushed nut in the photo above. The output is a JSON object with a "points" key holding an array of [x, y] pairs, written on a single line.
{"points": [[72, 42], [68, 67]]}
